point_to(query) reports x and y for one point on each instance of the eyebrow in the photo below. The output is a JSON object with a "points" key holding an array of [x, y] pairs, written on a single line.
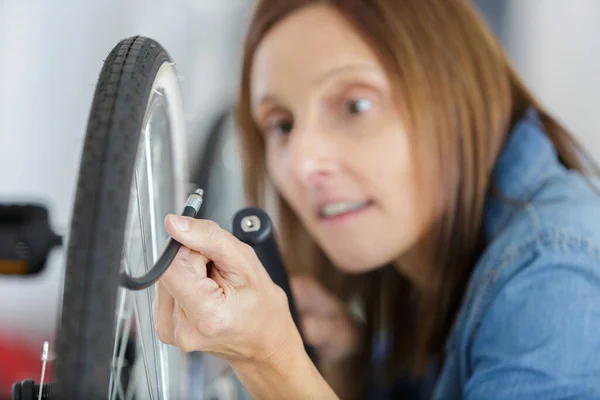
{"points": [[342, 69], [269, 98]]}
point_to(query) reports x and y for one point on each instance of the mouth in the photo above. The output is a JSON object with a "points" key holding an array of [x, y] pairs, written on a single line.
{"points": [[339, 210]]}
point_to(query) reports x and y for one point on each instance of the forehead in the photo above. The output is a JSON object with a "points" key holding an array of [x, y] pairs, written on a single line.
{"points": [[305, 45]]}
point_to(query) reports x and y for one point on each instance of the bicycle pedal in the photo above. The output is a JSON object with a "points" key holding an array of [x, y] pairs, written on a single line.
{"points": [[26, 239]]}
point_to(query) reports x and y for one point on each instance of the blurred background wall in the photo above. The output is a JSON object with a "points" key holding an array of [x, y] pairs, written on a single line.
{"points": [[555, 45], [52, 52]]}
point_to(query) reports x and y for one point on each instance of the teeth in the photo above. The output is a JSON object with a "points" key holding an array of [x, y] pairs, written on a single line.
{"points": [[334, 209]]}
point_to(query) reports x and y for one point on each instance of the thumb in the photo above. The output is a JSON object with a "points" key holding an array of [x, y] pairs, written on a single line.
{"points": [[207, 238], [311, 297]]}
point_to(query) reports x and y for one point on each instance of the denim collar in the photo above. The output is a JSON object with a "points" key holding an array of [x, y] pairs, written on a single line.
{"points": [[527, 158]]}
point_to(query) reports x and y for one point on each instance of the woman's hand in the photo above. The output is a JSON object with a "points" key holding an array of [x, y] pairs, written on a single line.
{"points": [[325, 322], [217, 297]]}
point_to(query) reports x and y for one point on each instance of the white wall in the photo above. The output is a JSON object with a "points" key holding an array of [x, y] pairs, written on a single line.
{"points": [[52, 52], [556, 46]]}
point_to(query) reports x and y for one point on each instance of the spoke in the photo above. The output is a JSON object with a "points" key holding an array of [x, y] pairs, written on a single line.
{"points": [[155, 350], [123, 347], [138, 320], [123, 314], [131, 388], [122, 294], [144, 354], [151, 193], [139, 204], [162, 356]]}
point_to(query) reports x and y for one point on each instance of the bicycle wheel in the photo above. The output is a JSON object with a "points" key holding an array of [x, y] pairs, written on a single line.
{"points": [[132, 174]]}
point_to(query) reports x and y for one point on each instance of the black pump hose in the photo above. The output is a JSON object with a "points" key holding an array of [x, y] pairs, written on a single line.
{"points": [[191, 209]]}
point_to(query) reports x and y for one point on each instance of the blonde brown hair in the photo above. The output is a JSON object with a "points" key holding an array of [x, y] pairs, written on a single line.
{"points": [[460, 97]]}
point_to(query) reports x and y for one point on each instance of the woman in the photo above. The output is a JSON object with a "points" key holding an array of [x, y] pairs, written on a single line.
{"points": [[417, 180]]}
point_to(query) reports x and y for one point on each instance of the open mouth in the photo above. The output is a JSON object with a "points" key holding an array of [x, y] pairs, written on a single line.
{"points": [[341, 209]]}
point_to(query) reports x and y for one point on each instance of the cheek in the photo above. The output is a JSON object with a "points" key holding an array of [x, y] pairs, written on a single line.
{"points": [[392, 173], [389, 160], [278, 173], [405, 197]]}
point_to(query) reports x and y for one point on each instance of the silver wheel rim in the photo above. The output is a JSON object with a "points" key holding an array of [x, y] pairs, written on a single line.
{"points": [[158, 188]]}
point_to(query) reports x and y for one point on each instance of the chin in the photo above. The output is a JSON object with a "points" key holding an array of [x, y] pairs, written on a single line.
{"points": [[351, 262]]}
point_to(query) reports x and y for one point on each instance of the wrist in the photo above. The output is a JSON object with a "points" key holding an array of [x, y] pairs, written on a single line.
{"points": [[289, 374], [281, 359]]}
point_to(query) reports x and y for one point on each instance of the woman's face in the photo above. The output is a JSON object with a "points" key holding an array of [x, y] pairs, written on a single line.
{"points": [[336, 147]]}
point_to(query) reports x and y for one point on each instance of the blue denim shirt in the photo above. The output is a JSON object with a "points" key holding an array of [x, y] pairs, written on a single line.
{"points": [[529, 326]]}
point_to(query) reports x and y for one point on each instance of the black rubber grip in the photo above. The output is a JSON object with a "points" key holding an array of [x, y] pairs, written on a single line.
{"points": [[254, 227]]}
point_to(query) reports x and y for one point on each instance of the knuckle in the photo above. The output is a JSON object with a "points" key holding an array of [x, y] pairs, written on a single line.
{"points": [[211, 228], [163, 335], [182, 340], [280, 295], [246, 249], [214, 325]]}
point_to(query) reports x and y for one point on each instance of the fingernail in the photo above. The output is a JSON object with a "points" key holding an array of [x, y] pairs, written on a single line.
{"points": [[180, 223]]}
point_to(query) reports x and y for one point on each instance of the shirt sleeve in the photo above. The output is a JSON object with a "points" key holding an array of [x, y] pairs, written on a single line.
{"points": [[540, 337]]}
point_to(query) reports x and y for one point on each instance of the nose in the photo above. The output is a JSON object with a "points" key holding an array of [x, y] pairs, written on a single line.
{"points": [[313, 156]]}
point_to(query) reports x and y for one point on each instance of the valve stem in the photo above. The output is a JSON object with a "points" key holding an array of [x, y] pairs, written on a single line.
{"points": [[44, 361]]}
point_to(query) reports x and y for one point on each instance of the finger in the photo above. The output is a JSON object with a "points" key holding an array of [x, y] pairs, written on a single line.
{"points": [[207, 238], [311, 297], [194, 327], [318, 331], [183, 333], [163, 305], [192, 260], [188, 284]]}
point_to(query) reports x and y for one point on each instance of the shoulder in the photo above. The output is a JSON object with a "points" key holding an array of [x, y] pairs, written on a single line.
{"points": [[530, 317], [558, 226], [532, 312]]}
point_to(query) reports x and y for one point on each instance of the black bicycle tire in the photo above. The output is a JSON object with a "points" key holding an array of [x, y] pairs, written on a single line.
{"points": [[212, 149], [85, 338]]}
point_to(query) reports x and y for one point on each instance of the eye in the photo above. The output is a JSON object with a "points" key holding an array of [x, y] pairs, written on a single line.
{"points": [[280, 127], [358, 106]]}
